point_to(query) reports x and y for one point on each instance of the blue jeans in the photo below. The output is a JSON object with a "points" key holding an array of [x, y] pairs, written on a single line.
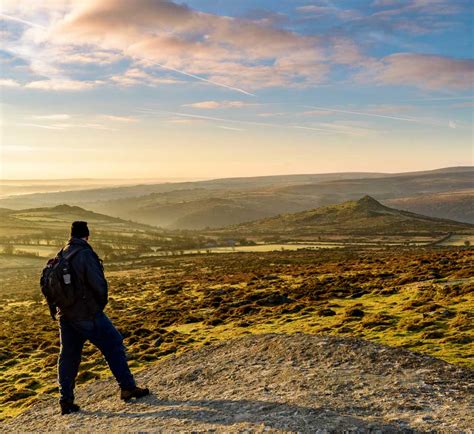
{"points": [[102, 333]]}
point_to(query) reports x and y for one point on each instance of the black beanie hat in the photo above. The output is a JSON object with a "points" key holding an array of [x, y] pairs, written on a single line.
{"points": [[79, 229]]}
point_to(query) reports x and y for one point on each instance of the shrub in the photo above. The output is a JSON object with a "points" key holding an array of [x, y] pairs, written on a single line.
{"points": [[354, 312]]}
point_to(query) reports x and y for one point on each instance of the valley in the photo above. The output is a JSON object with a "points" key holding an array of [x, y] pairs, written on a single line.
{"points": [[442, 193]]}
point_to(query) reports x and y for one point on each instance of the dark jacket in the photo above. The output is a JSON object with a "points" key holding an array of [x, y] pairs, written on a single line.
{"points": [[87, 275]]}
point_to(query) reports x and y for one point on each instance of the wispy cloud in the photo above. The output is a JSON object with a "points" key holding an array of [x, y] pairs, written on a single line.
{"points": [[62, 85], [323, 11], [95, 126], [443, 98], [42, 126], [18, 148], [114, 118], [271, 114], [210, 105], [337, 129], [65, 126], [417, 69], [8, 82], [463, 105], [53, 117], [135, 76]]}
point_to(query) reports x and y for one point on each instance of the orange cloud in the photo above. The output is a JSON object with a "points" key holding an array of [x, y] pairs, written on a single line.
{"points": [[229, 50], [431, 72], [60, 84], [219, 104]]}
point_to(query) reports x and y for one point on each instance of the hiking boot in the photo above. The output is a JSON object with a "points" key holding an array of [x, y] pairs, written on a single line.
{"points": [[68, 407], [136, 392]]}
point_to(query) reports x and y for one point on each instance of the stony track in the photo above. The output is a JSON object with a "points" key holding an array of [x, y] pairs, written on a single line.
{"points": [[277, 383]]}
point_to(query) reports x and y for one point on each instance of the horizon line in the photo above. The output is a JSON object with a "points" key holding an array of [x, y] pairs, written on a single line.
{"points": [[199, 178]]}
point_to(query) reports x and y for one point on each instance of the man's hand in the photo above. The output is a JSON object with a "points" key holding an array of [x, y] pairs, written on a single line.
{"points": [[52, 311]]}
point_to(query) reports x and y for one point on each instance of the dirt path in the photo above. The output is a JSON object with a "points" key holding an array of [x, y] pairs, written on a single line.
{"points": [[274, 383]]}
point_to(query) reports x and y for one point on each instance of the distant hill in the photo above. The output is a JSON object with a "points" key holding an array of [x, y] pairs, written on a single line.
{"points": [[199, 209], [61, 216], [365, 216], [88, 195], [41, 229], [223, 202], [394, 186], [454, 205]]}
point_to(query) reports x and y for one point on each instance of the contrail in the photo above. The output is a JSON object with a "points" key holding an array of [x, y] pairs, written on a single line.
{"points": [[301, 127], [197, 77], [264, 124], [230, 128], [447, 98], [20, 20], [365, 114], [209, 118], [397, 118]]}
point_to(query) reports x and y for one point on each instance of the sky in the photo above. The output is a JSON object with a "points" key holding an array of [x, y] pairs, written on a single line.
{"points": [[222, 88]]}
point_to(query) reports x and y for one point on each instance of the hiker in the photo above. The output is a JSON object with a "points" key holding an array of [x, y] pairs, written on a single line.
{"points": [[83, 318]]}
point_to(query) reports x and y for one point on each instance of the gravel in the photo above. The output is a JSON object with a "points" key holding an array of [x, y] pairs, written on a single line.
{"points": [[277, 383]]}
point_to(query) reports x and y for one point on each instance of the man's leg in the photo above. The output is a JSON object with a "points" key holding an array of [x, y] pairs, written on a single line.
{"points": [[69, 359], [110, 342]]}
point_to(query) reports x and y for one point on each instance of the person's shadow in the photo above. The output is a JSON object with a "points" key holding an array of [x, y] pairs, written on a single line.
{"points": [[278, 416]]}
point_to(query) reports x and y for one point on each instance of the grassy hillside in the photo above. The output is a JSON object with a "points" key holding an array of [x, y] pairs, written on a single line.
{"points": [[365, 216], [455, 205], [58, 220], [41, 231]]}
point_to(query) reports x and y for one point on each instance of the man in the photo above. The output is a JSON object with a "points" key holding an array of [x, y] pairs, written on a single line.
{"points": [[85, 320]]}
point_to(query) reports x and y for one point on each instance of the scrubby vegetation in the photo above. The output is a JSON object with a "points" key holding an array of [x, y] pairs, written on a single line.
{"points": [[419, 299]]}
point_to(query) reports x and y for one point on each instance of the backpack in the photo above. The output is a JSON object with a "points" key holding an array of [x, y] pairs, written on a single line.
{"points": [[56, 282]]}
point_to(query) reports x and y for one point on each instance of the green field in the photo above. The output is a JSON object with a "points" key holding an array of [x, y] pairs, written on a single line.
{"points": [[458, 240]]}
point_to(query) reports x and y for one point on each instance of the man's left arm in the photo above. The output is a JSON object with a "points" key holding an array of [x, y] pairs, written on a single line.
{"points": [[95, 278]]}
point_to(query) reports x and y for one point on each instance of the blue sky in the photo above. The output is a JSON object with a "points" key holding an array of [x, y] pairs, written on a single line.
{"points": [[153, 88]]}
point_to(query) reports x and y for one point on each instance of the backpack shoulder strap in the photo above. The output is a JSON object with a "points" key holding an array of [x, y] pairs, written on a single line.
{"points": [[68, 256]]}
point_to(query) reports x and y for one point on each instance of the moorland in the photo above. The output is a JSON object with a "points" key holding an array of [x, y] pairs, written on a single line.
{"points": [[356, 267], [416, 298]]}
